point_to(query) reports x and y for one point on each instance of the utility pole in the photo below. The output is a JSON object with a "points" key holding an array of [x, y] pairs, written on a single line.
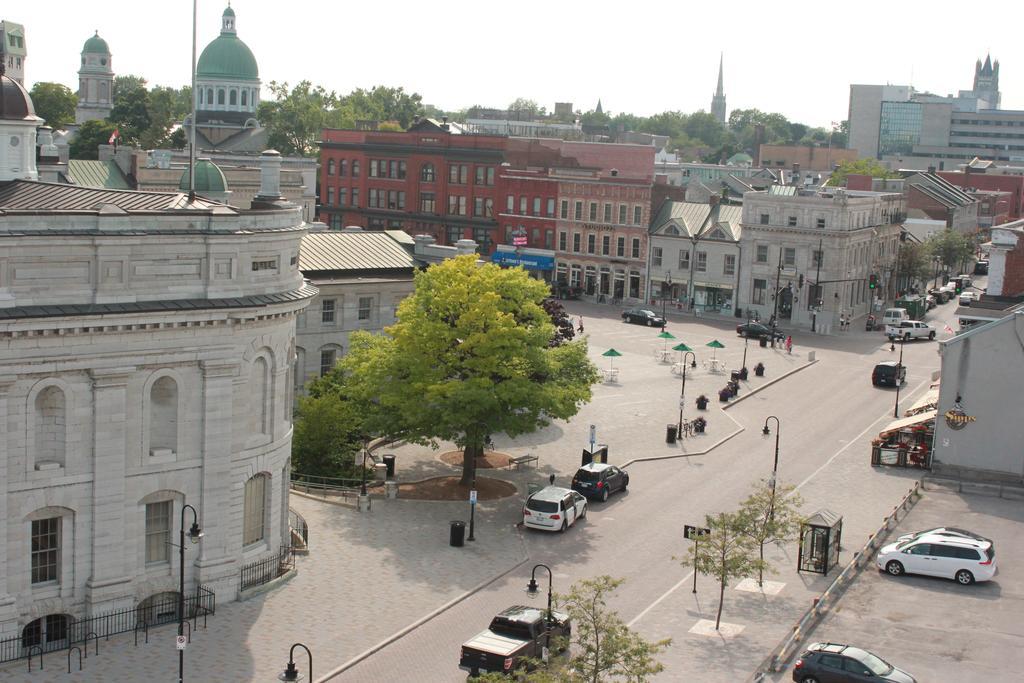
{"points": [[817, 287], [775, 310]]}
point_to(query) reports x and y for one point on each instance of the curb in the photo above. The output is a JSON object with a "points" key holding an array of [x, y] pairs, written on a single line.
{"points": [[672, 456], [424, 619], [768, 384]]}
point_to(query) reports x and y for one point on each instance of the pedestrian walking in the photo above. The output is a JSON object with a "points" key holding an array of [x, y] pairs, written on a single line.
{"points": [[789, 344], [580, 328], [842, 323]]}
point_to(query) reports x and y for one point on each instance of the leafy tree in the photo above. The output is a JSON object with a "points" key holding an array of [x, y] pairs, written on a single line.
{"points": [[869, 167], [294, 118], [55, 103], [468, 357], [564, 331], [527, 108], [131, 114], [726, 554], [166, 107], [915, 262], [770, 515], [950, 246], [125, 84], [90, 136], [327, 434], [382, 104], [178, 139]]}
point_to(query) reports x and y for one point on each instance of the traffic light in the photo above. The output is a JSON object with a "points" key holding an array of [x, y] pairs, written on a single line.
{"points": [[800, 281], [872, 281], [959, 285]]}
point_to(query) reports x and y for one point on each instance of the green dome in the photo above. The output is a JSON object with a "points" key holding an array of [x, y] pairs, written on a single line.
{"points": [[96, 46], [209, 178], [228, 12], [227, 57]]}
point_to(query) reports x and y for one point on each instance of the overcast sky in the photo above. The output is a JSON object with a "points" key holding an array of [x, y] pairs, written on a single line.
{"points": [[641, 56]]}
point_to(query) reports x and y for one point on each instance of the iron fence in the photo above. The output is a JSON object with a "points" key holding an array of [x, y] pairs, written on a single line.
{"points": [[266, 570], [317, 484], [297, 525], [63, 631]]}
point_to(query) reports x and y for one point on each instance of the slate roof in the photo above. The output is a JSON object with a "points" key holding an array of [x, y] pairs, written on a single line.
{"points": [[354, 252], [91, 173], [691, 217], [29, 195], [940, 189]]}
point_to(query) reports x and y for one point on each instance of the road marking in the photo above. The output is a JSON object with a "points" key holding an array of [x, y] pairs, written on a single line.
{"points": [[634, 403], [689, 576]]}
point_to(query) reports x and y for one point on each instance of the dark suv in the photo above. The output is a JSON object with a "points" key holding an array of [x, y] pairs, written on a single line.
{"points": [[835, 663], [888, 373], [599, 480]]}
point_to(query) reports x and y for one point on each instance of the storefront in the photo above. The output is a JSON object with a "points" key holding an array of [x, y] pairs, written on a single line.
{"points": [[713, 297], [906, 442], [540, 263]]}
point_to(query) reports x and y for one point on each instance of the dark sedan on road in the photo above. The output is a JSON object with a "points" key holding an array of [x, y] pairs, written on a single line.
{"points": [[599, 480], [758, 330], [643, 316], [835, 663]]}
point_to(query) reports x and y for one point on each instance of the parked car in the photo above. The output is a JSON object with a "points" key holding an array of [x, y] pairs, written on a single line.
{"points": [[932, 301], [643, 316], [981, 267], [894, 316], [950, 289], [967, 297], [961, 558], [888, 373], [835, 663], [910, 329], [940, 294], [515, 634], [758, 330], [554, 508], [599, 480], [950, 531]]}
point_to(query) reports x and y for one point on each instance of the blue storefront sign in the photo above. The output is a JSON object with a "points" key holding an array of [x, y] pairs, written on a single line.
{"points": [[528, 261]]}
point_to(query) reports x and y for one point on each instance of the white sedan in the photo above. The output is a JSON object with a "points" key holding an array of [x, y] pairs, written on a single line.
{"points": [[554, 508]]}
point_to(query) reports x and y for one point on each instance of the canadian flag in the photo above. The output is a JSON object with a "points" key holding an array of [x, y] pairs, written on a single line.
{"points": [[114, 137], [949, 329]]}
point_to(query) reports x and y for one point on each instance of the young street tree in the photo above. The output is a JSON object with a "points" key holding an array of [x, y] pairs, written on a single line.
{"points": [[951, 247], [770, 515], [726, 554], [469, 357]]}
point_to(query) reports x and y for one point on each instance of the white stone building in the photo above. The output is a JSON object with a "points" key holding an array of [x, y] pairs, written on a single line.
{"points": [[146, 347], [815, 251]]}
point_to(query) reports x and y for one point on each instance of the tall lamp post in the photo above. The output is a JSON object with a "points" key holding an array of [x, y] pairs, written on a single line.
{"points": [[682, 391], [936, 260], [472, 502], [532, 589], [775, 465], [899, 371], [668, 285], [292, 673], [194, 534]]}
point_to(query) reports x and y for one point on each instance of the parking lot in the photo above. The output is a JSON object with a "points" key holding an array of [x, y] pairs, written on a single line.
{"points": [[936, 629]]}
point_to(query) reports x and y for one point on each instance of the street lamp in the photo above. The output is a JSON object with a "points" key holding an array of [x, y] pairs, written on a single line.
{"points": [[531, 591], [362, 486], [194, 534], [899, 369], [668, 285], [936, 260], [472, 503], [291, 673], [682, 392], [775, 466]]}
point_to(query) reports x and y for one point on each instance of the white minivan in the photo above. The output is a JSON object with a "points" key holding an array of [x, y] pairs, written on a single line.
{"points": [[965, 559]]}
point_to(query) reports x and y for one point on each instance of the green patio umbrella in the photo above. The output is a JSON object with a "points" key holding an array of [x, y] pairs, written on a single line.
{"points": [[682, 349], [715, 344], [666, 336], [611, 354]]}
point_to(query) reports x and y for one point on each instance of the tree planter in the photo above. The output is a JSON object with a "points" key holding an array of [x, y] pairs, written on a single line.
{"points": [[743, 374], [759, 369], [702, 403], [699, 424], [724, 395]]}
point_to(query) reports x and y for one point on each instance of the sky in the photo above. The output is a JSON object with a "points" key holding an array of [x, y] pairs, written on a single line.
{"points": [[641, 57]]}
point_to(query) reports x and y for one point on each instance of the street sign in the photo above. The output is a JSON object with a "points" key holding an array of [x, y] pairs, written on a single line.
{"points": [[472, 496], [179, 642], [593, 434], [692, 533], [682, 402], [519, 241]]}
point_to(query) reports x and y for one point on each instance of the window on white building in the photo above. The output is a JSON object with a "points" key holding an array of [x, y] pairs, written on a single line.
{"points": [[762, 253], [254, 510], [46, 550], [760, 286], [656, 257], [789, 257], [729, 265], [327, 358], [365, 307], [684, 259], [158, 532], [702, 262], [327, 309]]}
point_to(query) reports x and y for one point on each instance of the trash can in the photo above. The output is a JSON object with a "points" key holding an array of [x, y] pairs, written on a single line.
{"points": [[456, 533], [389, 461], [763, 342], [670, 433]]}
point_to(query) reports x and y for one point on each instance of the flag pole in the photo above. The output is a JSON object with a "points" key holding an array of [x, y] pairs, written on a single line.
{"points": [[192, 128]]}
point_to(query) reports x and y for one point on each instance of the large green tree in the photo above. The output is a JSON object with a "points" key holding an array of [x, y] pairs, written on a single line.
{"points": [[131, 114], [295, 117], [470, 356], [89, 137], [952, 248], [869, 167], [55, 103]]}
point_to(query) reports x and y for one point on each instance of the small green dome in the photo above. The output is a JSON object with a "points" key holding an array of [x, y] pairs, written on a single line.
{"points": [[229, 12], [227, 57], [96, 46], [209, 178]]}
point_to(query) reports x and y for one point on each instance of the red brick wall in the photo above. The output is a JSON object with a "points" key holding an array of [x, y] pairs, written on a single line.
{"points": [[932, 208], [983, 181], [1013, 278]]}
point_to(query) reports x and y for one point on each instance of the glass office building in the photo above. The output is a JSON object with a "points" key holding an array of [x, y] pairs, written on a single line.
{"points": [[899, 127]]}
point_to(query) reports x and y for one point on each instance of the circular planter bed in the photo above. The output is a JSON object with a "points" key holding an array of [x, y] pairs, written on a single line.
{"points": [[449, 488]]}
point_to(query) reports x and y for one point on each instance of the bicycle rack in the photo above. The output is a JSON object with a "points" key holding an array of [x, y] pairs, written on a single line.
{"points": [[30, 650], [145, 628], [74, 647], [96, 637]]}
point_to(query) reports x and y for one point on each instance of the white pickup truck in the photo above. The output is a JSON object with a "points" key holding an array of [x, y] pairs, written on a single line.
{"points": [[910, 329]]}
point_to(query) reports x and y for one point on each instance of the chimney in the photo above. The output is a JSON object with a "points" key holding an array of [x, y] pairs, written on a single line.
{"points": [[758, 140], [931, 170], [270, 176], [796, 172], [714, 199], [464, 247], [615, 172]]}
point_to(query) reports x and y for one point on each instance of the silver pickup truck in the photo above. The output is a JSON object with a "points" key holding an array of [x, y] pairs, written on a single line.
{"points": [[515, 635], [910, 329]]}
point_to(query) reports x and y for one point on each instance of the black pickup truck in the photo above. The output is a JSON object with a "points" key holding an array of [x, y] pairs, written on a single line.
{"points": [[515, 634]]}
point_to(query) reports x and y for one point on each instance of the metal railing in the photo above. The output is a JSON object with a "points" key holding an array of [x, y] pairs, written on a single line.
{"points": [[266, 570], [311, 483], [144, 616], [297, 527]]}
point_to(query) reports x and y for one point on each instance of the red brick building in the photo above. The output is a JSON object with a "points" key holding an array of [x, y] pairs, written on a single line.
{"points": [[984, 181]]}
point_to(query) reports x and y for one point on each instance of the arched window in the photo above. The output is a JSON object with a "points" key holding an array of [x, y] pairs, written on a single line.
{"points": [[233, 97], [104, 91], [259, 392], [427, 173], [51, 426], [163, 416], [220, 96], [300, 368], [330, 167], [159, 608], [202, 94], [49, 632], [254, 510], [245, 98], [209, 96]]}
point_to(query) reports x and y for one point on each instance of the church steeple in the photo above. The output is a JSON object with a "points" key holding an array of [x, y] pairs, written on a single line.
{"points": [[599, 110], [718, 100]]}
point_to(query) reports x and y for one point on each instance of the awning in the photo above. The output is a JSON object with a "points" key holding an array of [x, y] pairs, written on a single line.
{"points": [[903, 423], [930, 401]]}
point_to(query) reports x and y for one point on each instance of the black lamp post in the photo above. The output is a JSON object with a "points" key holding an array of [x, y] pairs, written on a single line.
{"points": [[194, 534], [472, 504], [668, 285], [899, 370], [935, 262], [291, 673], [362, 486], [682, 391], [775, 465], [531, 590]]}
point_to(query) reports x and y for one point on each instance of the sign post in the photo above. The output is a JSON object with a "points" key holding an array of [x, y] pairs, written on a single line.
{"points": [[472, 514], [179, 642], [593, 437], [694, 533]]}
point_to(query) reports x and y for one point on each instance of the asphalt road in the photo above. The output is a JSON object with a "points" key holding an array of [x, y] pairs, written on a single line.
{"points": [[828, 414]]}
